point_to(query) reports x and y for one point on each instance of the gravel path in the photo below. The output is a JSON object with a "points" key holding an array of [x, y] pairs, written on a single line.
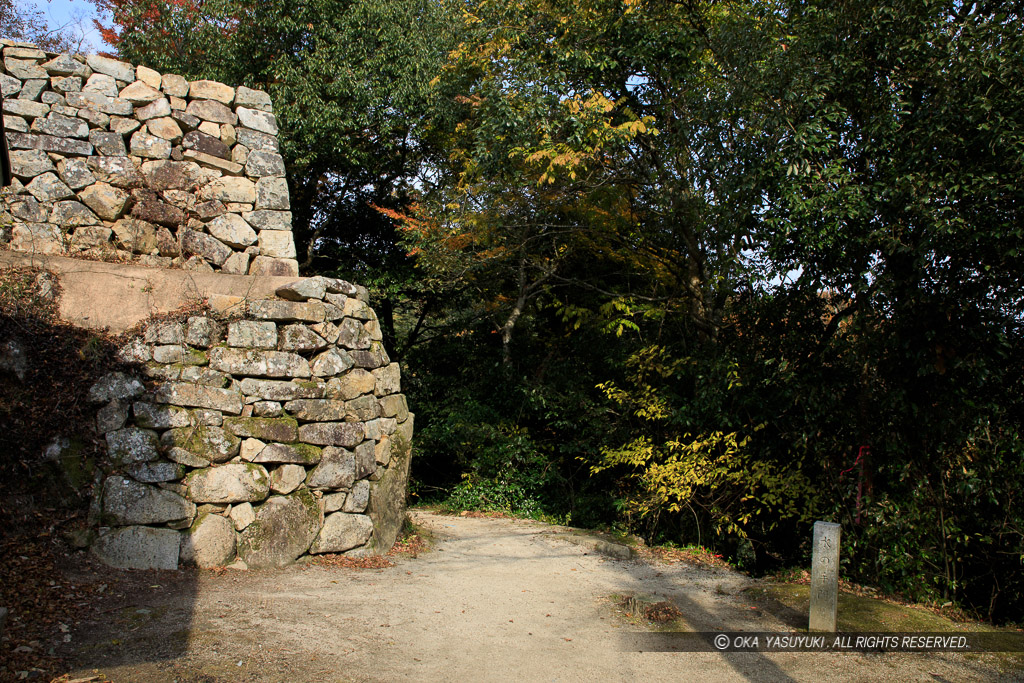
{"points": [[496, 600]]}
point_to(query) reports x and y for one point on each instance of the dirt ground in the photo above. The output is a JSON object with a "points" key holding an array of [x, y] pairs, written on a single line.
{"points": [[493, 600]]}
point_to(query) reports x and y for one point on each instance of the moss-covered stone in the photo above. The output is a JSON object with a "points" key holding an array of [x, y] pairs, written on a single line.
{"points": [[210, 443], [296, 453], [388, 494], [180, 356], [281, 429], [284, 528], [232, 483]]}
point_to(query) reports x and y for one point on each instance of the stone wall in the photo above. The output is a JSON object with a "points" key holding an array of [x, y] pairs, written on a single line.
{"points": [[118, 162], [254, 437], [269, 427]]}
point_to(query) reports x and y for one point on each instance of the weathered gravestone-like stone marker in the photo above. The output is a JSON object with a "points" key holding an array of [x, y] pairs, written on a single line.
{"points": [[824, 577]]}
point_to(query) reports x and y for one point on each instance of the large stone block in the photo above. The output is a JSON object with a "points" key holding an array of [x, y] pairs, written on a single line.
{"points": [[287, 311], [261, 121], [211, 110], [152, 416], [284, 528], [346, 434], [26, 108], [363, 408], [282, 429], [274, 267], [117, 171], [388, 380], [210, 443], [232, 483], [277, 244], [139, 547], [341, 532], [149, 146], [300, 338], [253, 99], [352, 384], [111, 144], [317, 410], [49, 188], [253, 363], [99, 102], [165, 128], [115, 386], [304, 289], [298, 453], [61, 126], [29, 163], [122, 71], [252, 334], [359, 497], [211, 90], [174, 85], [264, 219], [102, 84], [278, 390], [132, 444], [107, 201], [173, 175], [337, 470], [154, 110], [153, 210], [262, 164], [148, 76], [50, 143], [254, 139], [191, 395], [331, 362], [353, 335], [240, 190], [287, 478], [388, 494], [206, 246], [206, 144], [203, 332], [272, 193], [65, 65], [155, 472], [75, 173], [136, 236], [128, 502], [394, 406], [30, 210], [139, 94], [210, 542], [37, 238]]}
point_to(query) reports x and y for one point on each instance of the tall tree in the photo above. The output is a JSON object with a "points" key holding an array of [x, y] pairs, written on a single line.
{"points": [[803, 218]]}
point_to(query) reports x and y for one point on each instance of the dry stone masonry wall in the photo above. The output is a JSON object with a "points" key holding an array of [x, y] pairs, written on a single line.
{"points": [[118, 162], [256, 439]]}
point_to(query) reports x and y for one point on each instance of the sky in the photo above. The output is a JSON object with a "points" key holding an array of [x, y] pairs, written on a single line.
{"points": [[63, 12]]}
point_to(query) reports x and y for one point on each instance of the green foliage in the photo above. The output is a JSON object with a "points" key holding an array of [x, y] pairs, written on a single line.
{"points": [[764, 235], [714, 269], [493, 496]]}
